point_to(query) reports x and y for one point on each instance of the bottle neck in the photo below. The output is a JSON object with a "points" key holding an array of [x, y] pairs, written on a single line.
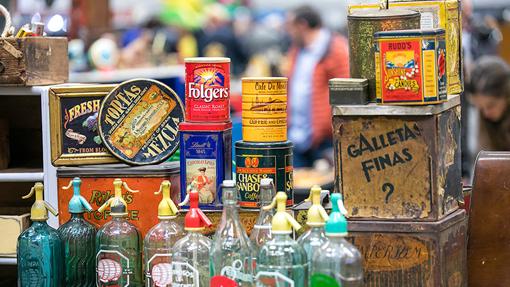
{"points": [[336, 238], [76, 215], [37, 223], [281, 236]]}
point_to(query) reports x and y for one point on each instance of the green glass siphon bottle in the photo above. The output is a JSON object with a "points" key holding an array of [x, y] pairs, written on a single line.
{"points": [[282, 261], [261, 232], [338, 263], [160, 239], [314, 238], [118, 245], [232, 252], [39, 249], [190, 255], [78, 237]]}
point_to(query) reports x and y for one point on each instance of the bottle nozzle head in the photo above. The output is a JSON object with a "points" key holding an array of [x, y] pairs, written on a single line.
{"points": [[337, 223], [40, 208], [77, 204], [166, 206], [316, 215]]}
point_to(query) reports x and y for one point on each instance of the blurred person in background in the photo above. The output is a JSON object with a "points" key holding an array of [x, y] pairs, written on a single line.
{"points": [[316, 55], [490, 94]]}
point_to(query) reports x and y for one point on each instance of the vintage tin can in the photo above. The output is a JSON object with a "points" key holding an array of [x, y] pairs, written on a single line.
{"points": [[206, 160], [445, 14], [413, 254], [255, 161], [362, 25], [264, 109], [97, 187], [410, 67], [207, 89], [138, 121], [348, 91], [398, 162]]}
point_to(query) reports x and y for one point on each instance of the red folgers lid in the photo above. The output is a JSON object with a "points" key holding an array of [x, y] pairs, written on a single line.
{"points": [[195, 219], [200, 127]]}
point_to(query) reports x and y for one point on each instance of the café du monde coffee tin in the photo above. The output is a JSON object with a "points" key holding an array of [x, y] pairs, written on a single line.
{"points": [[207, 89], [264, 109], [139, 121], [206, 160], [411, 67], [255, 161]]}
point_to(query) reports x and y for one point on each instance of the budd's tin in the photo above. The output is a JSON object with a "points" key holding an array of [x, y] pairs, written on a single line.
{"points": [[207, 89], [410, 67], [264, 109], [206, 160], [255, 161], [138, 121]]}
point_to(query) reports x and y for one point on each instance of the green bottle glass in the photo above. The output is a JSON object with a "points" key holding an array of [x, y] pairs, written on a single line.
{"points": [[282, 261], [78, 237], [338, 263], [159, 241], [39, 250], [232, 252], [118, 245]]}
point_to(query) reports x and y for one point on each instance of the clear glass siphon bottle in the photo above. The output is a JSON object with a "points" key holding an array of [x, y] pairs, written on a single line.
{"points": [[338, 263], [190, 255], [282, 261], [118, 245], [261, 232], [314, 238], [39, 249], [159, 241], [232, 252], [79, 239]]}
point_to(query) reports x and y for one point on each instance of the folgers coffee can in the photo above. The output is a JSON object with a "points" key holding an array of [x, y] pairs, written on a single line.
{"points": [[411, 67], [362, 24], [255, 161], [206, 160], [207, 89], [264, 109]]}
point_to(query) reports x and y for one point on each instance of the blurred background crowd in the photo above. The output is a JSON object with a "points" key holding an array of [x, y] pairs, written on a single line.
{"points": [[308, 44]]}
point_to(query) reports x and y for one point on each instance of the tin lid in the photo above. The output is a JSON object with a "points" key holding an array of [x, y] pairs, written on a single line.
{"points": [[409, 33], [382, 14], [271, 79], [207, 60], [258, 145], [347, 82], [138, 121], [78, 203], [40, 208], [204, 127], [282, 222], [119, 170]]}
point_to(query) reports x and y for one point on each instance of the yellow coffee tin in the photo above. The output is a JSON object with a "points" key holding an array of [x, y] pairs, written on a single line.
{"points": [[264, 86]]}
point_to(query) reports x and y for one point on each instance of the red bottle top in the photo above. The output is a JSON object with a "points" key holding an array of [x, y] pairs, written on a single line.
{"points": [[195, 219]]}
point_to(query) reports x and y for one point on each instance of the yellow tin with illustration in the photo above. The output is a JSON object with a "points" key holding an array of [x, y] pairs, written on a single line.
{"points": [[410, 67]]}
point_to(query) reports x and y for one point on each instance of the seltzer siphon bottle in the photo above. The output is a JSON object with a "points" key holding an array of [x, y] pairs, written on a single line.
{"points": [[79, 239], [39, 249], [159, 241], [190, 255], [282, 261], [232, 252], [314, 238], [118, 245], [261, 232], [338, 263]]}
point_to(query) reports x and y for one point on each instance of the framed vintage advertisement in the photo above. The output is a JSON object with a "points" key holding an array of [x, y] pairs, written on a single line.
{"points": [[75, 138]]}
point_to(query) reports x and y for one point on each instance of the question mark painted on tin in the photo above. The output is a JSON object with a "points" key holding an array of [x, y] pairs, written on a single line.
{"points": [[388, 187]]}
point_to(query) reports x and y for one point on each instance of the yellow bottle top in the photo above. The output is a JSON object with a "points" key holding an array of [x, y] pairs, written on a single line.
{"points": [[39, 211], [117, 204], [317, 215], [282, 222], [166, 207]]}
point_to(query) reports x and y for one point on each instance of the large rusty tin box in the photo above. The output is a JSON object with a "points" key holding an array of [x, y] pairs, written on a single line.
{"points": [[398, 163], [97, 187], [412, 254]]}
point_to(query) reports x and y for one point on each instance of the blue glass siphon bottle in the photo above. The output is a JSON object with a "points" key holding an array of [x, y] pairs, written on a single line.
{"points": [[39, 249], [78, 237]]}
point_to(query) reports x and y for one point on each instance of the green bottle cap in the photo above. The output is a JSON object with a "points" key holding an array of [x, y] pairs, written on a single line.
{"points": [[77, 204], [336, 224]]}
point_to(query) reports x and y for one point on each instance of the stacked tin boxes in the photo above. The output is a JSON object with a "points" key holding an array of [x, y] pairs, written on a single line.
{"points": [[264, 151], [398, 167]]}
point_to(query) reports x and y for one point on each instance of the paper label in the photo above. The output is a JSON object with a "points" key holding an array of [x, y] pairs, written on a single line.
{"points": [[112, 269]]}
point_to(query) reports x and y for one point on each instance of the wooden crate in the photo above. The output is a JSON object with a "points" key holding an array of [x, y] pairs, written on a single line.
{"points": [[33, 61], [398, 163], [13, 221], [412, 254]]}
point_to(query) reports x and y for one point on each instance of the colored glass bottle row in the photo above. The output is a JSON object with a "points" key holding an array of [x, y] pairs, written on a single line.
{"points": [[172, 257]]}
